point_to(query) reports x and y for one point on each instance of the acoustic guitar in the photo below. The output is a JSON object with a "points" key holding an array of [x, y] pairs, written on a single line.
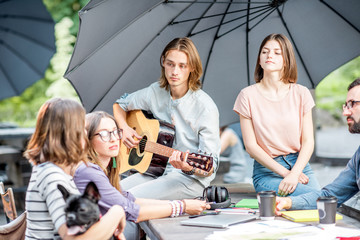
{"points": [[152, 154]]}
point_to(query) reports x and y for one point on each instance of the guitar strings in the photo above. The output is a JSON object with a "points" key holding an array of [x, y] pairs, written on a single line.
{"points": [[168, 151]]}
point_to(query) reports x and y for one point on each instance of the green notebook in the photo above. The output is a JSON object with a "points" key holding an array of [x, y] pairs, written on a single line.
{"points": [[247, 203]]}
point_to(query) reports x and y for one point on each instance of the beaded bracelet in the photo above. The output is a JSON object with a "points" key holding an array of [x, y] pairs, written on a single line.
{"points": [[177, 208], [173, 209], [181, 207], [184, 203]]}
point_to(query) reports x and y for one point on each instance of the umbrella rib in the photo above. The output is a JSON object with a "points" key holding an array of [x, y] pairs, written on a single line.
{"points": [[232, 20], [198, 20], [135, 58], [45, 20], [247, 43], [10, 82], [27, 37], [214, 15], [268, 9], [261, 19], [296, 48], [219, 2], [213, 42], [21, 57], [341, 16], [189, 35]]}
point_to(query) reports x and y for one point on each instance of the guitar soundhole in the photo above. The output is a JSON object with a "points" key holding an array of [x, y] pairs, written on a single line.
{"points": [[136, 154], [142, 144]]}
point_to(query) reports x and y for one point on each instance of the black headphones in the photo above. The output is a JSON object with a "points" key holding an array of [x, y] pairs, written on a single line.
{"points": [[217, 194]]}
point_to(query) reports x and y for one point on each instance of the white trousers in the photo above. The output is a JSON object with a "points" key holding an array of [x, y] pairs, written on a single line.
{"points": [[170, 186]]}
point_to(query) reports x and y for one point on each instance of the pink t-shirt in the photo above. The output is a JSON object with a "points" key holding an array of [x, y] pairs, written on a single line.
{"points": [[277, 124]]}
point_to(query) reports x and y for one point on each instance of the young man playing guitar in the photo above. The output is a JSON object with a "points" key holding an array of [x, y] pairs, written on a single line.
{"points": [[176, 99]]}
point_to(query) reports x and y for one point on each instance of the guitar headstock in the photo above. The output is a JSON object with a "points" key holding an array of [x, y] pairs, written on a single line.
{"points": [[201, 161]]}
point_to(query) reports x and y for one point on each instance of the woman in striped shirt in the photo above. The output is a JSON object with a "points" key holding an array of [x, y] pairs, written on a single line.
{"points": [[57, 146]]}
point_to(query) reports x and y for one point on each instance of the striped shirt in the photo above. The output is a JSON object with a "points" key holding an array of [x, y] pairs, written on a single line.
{"points": [[44, 202]]}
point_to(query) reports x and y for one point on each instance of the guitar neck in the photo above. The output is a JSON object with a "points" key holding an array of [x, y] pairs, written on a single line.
{"points": [[202, 163], [158, 149]]}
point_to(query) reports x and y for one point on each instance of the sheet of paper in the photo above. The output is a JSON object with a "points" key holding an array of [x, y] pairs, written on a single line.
{"points": [[279, 229]]}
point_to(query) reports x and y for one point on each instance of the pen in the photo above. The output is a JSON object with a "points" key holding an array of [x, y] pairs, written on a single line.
{"points": [[209, 213], [234, 211], [204, 214]]}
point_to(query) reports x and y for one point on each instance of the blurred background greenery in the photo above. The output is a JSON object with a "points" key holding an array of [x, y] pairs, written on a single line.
{"points": [[21, 110]]}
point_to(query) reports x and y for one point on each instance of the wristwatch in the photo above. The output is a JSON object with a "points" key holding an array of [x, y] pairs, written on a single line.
{"points": [[191, 172]]}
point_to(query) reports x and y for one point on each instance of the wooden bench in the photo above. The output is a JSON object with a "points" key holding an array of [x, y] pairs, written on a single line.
{"points": [[16, 225], [8, 202]]}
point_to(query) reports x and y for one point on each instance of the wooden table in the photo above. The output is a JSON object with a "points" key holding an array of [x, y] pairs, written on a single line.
{"points": [[170, 228]]}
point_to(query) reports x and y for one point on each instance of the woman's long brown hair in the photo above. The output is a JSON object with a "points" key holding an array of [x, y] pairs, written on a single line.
{"points": [[92, 123], [59, 135], [289, 73]]}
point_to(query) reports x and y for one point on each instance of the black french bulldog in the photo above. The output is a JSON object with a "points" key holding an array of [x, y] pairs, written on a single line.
{"points": [[82, 211]]}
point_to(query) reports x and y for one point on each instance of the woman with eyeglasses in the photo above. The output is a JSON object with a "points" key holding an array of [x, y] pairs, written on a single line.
{"points": [[276, 121], [104, 143]]}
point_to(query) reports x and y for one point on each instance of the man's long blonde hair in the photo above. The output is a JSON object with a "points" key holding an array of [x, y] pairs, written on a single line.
{"points": [[186, 46]]}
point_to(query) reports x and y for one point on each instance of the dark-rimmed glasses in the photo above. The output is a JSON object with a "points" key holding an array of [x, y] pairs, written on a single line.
{"points": [[106, 135], [349, 104]]}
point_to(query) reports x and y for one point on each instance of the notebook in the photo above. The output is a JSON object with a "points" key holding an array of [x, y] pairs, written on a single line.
{"points": [[247, 203], [218, 221], [304, 215]]}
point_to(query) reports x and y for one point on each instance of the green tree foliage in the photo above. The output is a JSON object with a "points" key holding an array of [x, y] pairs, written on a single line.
{"points": [[331, 91], [22, 110], [66, 8]]}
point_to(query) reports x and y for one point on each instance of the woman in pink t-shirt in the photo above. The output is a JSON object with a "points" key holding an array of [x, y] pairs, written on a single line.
{"points": [[276, 121]]}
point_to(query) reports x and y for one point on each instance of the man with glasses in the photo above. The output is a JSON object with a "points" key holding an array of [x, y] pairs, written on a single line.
{"points": [[347, 184]]}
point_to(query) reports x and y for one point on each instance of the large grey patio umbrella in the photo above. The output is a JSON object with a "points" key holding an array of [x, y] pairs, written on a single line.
{"points": [[27, 43], [120, 41]]}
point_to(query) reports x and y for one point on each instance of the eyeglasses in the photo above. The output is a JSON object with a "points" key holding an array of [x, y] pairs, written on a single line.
{"points": [[349, 104], [106, 135]]}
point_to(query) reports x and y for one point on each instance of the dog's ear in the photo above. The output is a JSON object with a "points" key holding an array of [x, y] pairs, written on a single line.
{"points": [[92, 192], [64, 192]]}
